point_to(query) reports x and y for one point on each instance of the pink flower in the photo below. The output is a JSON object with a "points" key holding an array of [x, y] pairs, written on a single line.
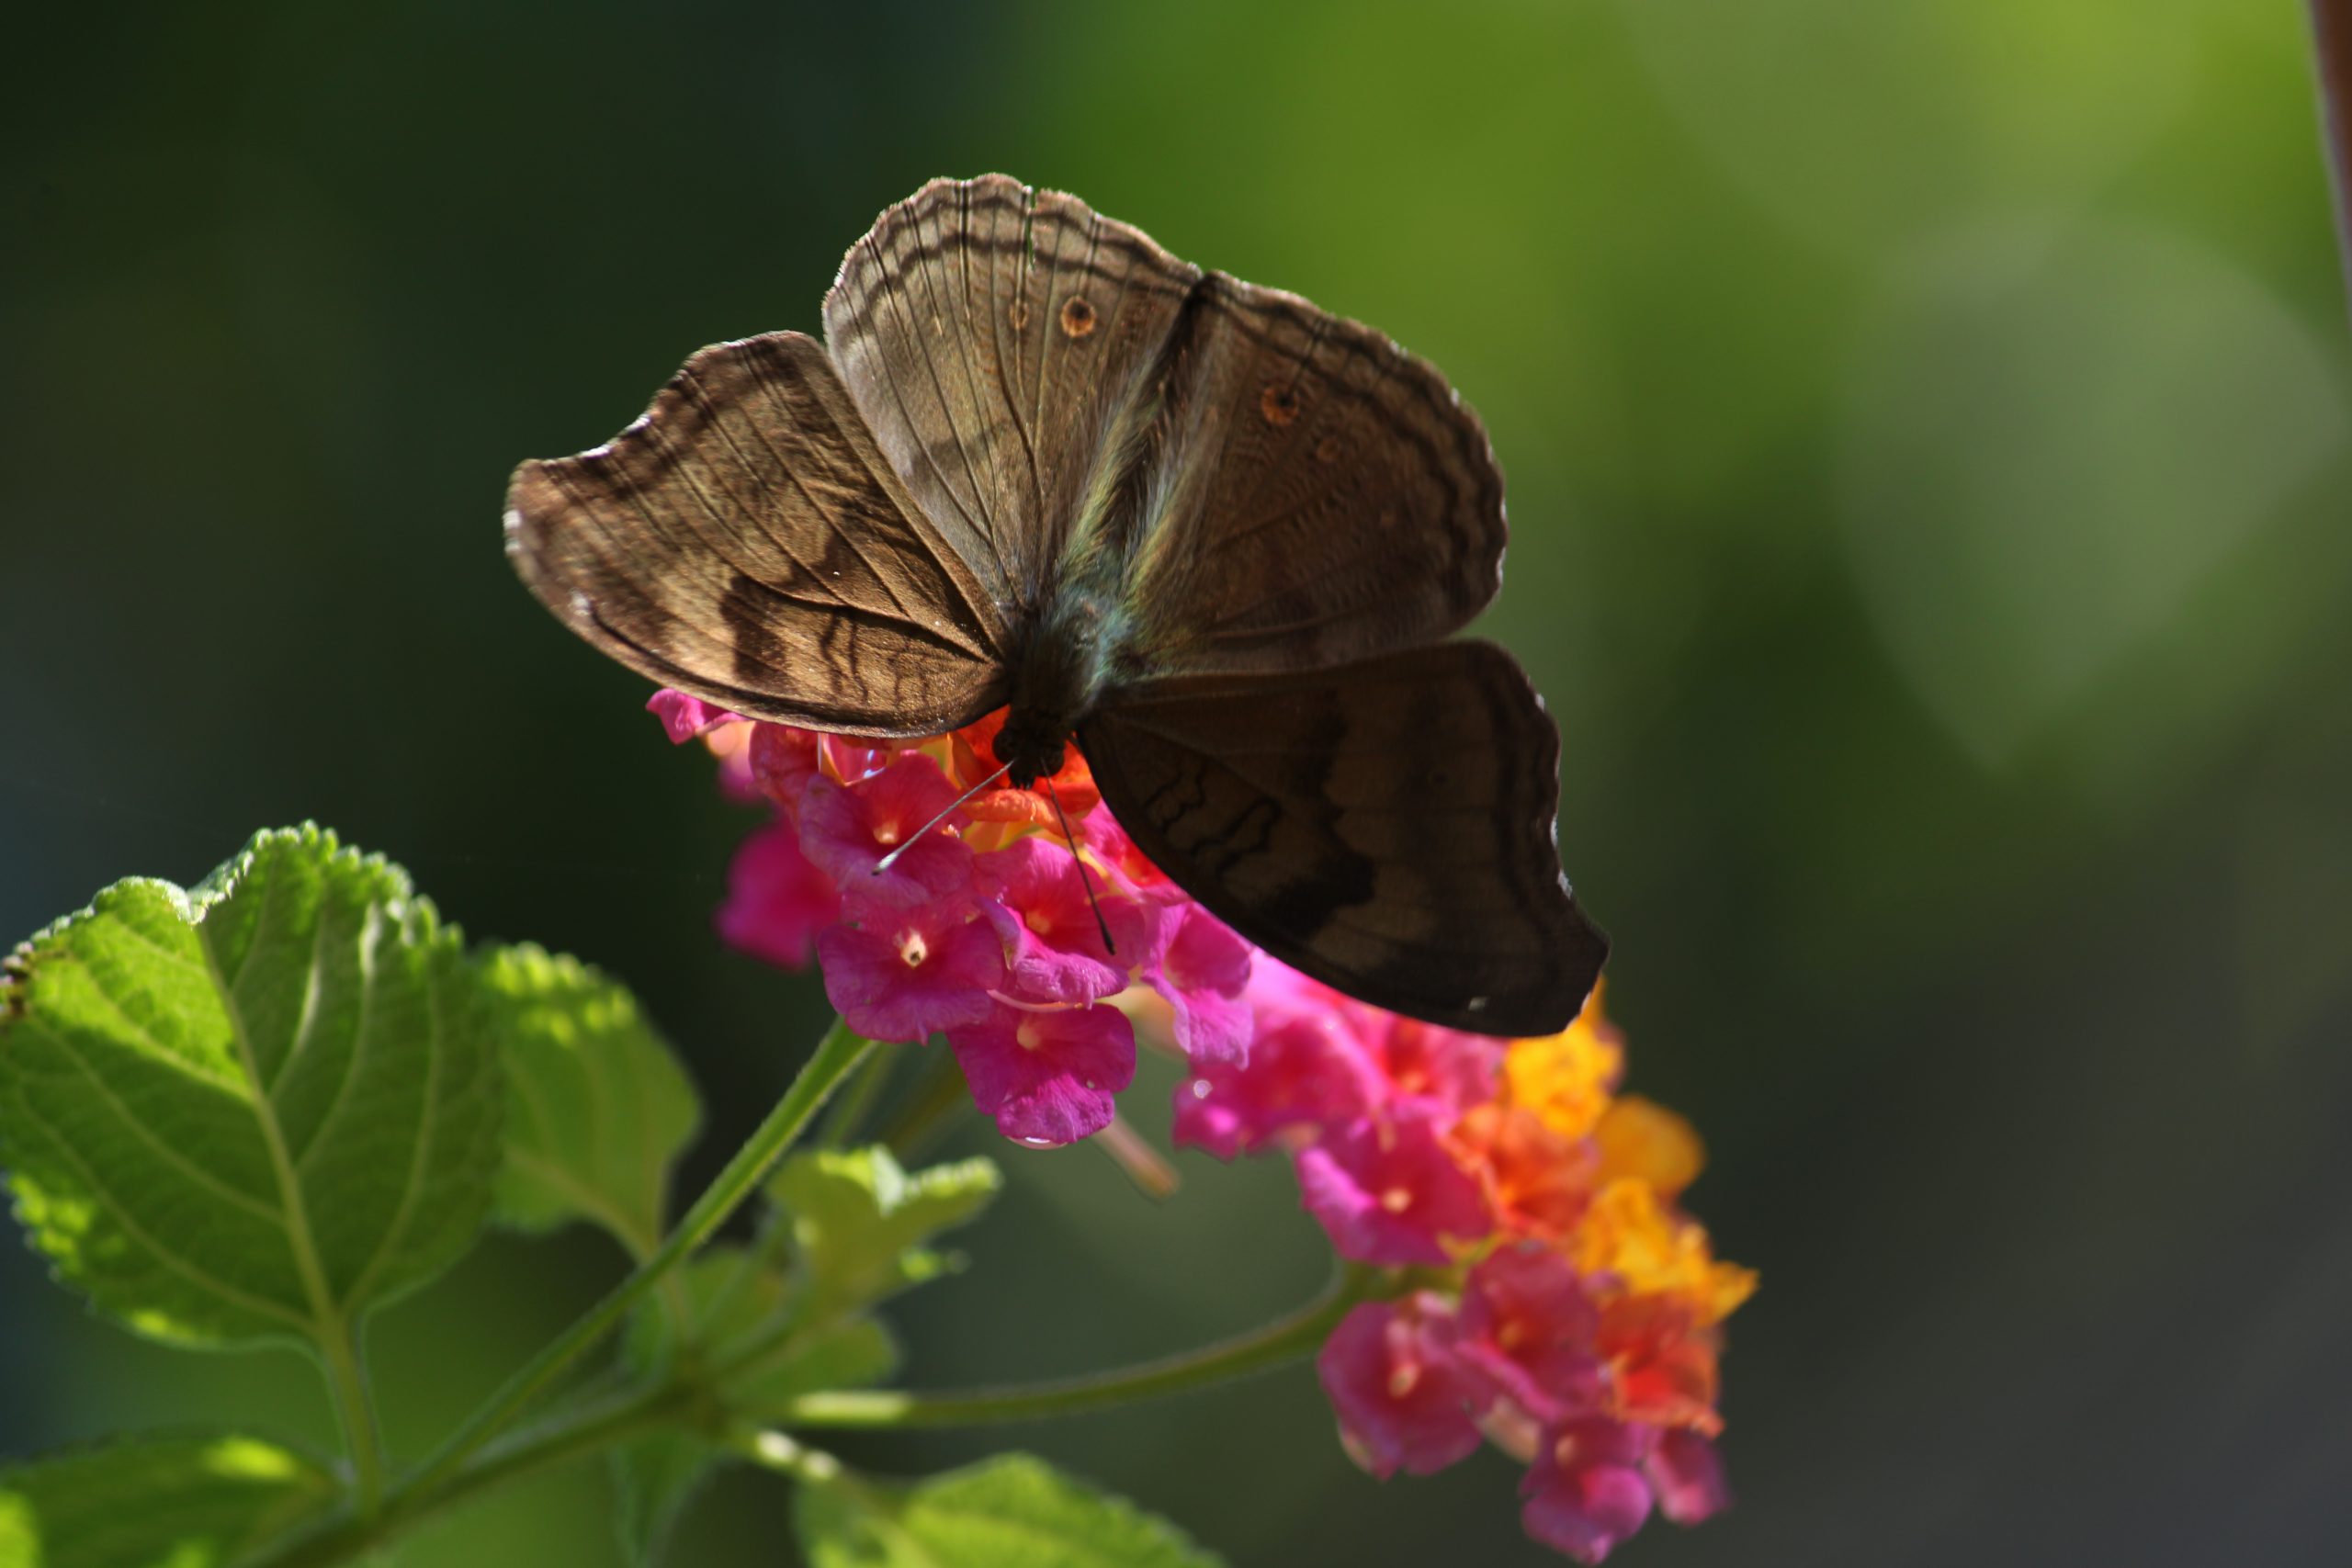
{"points": [[849, 831], [850, 760], [776, 901], [1037, 898], [783, 760], [1302, 1072], [1426, 1061], [1111, 849], [1403, 1400], [1046, 1075], [683, 716], [1585, 1492], [904, 974], [1688, 1476], [1388, 1191], [1528, 1329], [1203, 974]]}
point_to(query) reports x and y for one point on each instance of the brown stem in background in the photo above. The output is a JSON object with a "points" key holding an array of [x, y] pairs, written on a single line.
{"points": [[2332, 31]]}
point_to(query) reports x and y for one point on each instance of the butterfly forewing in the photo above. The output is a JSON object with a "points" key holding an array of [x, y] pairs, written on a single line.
{"points": [[1328, 497], [991, 334], [1385, 826], [746, 542]]}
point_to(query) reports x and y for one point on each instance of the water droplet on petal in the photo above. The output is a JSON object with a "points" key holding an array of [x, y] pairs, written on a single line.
{"points": [[1037, 1142], [1200, 1088]]}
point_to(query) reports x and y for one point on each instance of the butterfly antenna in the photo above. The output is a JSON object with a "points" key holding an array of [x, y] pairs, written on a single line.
{"points": [[1085, 877], [911, 839]]}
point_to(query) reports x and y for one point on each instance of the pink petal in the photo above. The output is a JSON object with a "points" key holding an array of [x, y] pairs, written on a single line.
{"points": [[776, 900], [1203, 974], [1209, 1027], [1038, 901], [683, 716], [1402, 1400], [1204, 954], [1528, 1328], [1688, 1475], [1304, 1069], [1388, 1191], [904, 974], [1047, 1076], [1585, 1494], [783, 760], [850, 830], [1426, 1061]]}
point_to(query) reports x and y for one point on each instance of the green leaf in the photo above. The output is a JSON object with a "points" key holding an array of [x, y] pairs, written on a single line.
{"points": [[597, 1106], [859, 1222], [1015, 1511], [736, 1314], [655, 1480], [180, 1502], [731, 1326], [254, 1109]]}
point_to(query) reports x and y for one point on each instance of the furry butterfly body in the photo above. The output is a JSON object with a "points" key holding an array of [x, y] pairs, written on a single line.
{"points": [[1209, 533]]}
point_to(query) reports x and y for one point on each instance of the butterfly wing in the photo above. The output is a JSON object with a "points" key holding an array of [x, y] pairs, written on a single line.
{"points": [[1319, 495], [1385, 826], [746, 542], [993, 335], [1286, 488]]}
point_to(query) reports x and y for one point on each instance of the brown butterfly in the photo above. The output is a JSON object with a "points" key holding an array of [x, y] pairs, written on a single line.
{"points": [[1205, 529]]}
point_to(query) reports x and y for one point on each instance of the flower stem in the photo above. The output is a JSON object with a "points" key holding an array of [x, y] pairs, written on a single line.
{"points": [[1284, 1339], [562, 1437], [842, 1049], [855, 1103], [928, 1109], [593, 1424]]}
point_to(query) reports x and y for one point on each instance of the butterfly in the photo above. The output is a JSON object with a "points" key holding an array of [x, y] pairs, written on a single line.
{"points": [[1205, 531]]}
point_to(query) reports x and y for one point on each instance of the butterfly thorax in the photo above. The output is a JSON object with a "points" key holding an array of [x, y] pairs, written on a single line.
{"points": [[1059, 669]]}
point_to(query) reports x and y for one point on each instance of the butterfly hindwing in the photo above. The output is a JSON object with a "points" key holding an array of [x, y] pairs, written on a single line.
{"points": [[1385, 826], [744, 541], [991, 334]]}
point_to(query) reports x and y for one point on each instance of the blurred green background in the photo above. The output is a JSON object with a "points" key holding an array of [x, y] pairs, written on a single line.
{"points": [[1926, 424]]}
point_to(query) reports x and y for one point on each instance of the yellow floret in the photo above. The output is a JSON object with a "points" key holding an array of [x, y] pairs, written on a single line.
{"points": [[1565, 1078], [1631, 1233]]}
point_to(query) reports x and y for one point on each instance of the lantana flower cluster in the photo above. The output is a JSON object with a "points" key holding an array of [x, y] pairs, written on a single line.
{"points": [[1558, 1303], [985, 928], [1550, 1295]]}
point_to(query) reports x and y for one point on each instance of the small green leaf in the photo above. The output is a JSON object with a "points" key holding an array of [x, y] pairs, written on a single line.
{"points": [[597, 1106], [1015, 1511], [254, 1109], [731, 1328], [736, 1316], [859, 1222], [181, 1502], [654, 1482]]}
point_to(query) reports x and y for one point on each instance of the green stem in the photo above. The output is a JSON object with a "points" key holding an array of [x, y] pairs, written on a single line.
{"points": [[355, 1407], [1284, 1339], [842, 1049], [928, 1109], [856, 1102], [595, 1423], [563, 1437]]}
